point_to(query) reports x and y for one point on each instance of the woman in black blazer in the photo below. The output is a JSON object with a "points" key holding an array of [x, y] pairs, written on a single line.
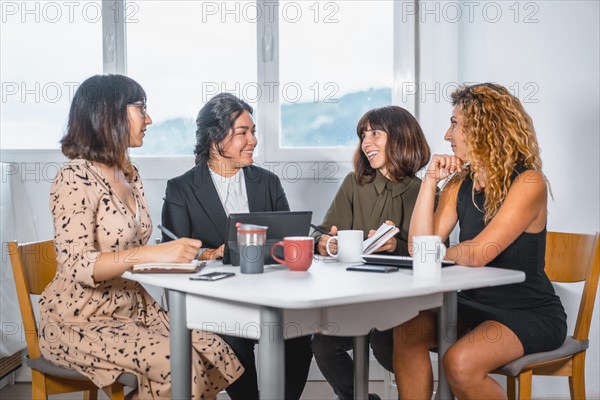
{"points": [[224, 181]]}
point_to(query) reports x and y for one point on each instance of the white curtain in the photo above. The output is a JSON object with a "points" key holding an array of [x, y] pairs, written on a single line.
{"points": [[16, 224]]}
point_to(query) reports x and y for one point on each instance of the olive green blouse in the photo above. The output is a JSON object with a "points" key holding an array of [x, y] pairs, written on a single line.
{"points": [[366, 207]]}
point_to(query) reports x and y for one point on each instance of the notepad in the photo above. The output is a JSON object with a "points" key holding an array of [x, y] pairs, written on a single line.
{"points": [[384, 233], [170, 268]]}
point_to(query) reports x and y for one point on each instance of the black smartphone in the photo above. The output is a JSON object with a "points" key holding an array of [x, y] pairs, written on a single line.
{"points": [[212, 276], [373, 268]]}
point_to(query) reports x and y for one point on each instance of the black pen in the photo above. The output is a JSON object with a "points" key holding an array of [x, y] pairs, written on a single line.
{"points": [[316, 228], [174, 237]]}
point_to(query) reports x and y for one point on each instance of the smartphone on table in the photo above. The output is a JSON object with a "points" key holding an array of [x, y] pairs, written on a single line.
{"points": [[373, 268], [212, 276]]}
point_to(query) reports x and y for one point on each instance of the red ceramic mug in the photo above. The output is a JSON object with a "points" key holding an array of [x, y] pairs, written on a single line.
{"points": [[298, 252]]}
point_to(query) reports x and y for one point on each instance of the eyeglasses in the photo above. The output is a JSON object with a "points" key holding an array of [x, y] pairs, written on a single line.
{"points": [[142, 107]]}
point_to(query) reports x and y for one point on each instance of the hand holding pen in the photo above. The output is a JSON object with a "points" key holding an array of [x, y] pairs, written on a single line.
{"points": [[319, 229], [197, 244]]}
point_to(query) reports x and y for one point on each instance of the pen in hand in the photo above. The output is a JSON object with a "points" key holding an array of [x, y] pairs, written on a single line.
{"points": [[316, 228], [175, 237], [167, 232]]}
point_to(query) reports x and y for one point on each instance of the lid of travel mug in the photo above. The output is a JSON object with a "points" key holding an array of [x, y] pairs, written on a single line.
{"points": [[250, 228]]}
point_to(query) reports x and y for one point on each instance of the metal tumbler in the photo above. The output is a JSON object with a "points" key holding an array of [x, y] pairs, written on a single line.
{"points": [[251, 245]]}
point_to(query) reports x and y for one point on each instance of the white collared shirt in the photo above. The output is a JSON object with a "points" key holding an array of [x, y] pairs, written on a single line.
{"points": [[231, 191]]}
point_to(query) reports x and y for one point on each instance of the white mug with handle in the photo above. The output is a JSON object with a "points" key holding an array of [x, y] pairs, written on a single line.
{"points": [[428, 253], [350, 244]]}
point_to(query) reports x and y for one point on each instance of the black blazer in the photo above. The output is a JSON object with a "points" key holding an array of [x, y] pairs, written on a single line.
{"points": [[192, 207]]}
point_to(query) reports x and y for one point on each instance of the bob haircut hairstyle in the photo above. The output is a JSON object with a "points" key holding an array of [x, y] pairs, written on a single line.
{"points": [[406, 149], [98, 128], [214, 123]]}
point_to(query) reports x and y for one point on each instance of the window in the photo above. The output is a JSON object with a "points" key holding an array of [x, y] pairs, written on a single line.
{"points": [[282, 57], [335, 63], [308, 103], [38, 77], [183, 53]]}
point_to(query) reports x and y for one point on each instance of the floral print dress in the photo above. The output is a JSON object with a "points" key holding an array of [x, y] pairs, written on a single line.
{"points": [[103, 329]]}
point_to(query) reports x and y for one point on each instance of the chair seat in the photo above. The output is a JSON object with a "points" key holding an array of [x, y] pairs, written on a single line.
{"points": [[569, 347], [45, 366]]}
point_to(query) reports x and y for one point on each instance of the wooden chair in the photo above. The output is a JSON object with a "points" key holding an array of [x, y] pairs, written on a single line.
{"points": [[34, 266], [569, 258]]}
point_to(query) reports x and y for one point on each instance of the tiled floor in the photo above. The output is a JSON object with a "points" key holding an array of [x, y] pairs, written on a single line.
{"points": [[315, 390]]}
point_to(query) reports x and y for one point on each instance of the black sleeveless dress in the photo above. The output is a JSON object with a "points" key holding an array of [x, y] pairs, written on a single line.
{"points": [[531, 309]]}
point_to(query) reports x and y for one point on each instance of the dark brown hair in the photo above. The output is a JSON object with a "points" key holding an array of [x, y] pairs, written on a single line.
{"points": [[98, 128], [406, 149], [214, 122]]}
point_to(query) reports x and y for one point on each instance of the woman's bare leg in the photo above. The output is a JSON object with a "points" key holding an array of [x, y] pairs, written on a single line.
{"points": [[412, 365], [468, 362]]}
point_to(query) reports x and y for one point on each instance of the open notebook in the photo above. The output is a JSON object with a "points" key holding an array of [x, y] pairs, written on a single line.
{"points": [[170, 268]]}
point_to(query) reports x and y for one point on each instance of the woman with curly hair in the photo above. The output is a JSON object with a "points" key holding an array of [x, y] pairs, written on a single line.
{"points": [[498, 194]]}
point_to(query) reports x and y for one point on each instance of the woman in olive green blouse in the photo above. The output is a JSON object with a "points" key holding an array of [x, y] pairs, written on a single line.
{"points": [[383, 187]]}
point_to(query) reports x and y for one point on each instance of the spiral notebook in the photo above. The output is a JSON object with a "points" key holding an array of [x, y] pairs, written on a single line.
{"points": [[384, 233]]}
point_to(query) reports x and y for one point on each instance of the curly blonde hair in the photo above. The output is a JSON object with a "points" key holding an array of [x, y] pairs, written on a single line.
{"points": [[499, 137]]}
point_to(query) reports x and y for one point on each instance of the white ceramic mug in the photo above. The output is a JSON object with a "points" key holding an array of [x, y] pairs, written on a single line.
{"points": [[350, 244], [428, 252]]}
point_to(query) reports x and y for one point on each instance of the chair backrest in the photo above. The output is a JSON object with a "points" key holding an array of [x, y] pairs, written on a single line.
{"points": [[34, 266], [572, 257]]}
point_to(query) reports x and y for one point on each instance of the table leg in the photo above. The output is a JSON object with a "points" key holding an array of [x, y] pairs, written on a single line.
{"points": [[181, 345], [446, 336], [361, 367], [271, 354]]}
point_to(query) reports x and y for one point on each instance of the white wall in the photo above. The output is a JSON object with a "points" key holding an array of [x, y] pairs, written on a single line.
{"points": [[553, 63]]}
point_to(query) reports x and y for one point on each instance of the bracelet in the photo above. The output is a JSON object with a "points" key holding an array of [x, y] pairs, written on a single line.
{"points": [[200, 252]]}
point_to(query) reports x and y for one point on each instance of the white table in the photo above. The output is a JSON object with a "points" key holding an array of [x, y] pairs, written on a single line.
{"points": [[281, 304]]}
